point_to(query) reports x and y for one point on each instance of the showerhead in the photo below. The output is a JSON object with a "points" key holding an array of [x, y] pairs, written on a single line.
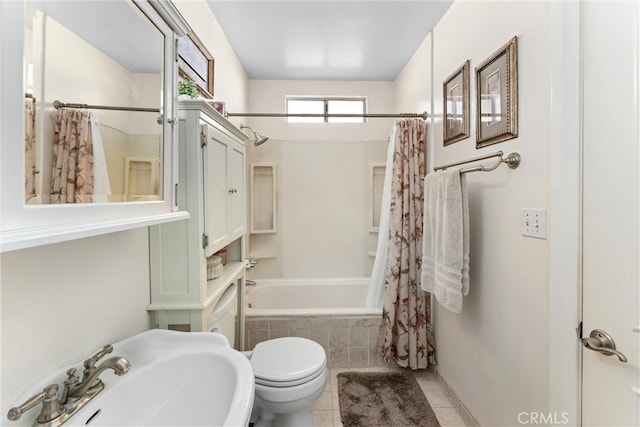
{"points": [[258, 139]]}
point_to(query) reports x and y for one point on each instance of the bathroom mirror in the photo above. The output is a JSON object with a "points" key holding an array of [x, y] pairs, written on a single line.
{"points": [[111, 65], [93, 103]]}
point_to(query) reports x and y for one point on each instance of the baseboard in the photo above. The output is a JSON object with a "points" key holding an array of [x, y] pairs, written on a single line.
{"points": [[464, 412]]}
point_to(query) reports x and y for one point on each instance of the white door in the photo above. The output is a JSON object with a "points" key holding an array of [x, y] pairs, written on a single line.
{"points": [[216, 188], [237, 215], [610, 293]]}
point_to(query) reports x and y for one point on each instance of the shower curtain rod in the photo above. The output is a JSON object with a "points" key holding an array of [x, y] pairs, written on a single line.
{"points": [[512, 160], [424, 115], [57, 105]]}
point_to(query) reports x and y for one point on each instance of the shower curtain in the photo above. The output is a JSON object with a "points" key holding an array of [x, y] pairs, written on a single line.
{"points": [[375, 295], [406, 333], [72, 167]]}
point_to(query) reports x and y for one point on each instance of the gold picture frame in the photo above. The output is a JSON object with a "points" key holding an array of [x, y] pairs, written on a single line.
{"points": [[497, 96], [455, 91]]}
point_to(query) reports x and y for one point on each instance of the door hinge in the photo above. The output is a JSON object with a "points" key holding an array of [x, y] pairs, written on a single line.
{"points": [[176, 194], [579, 330], [176, 49], [203, 138], [205, 240]]}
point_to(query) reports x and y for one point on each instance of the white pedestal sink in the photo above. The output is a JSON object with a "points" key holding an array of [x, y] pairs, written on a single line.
{"points": [[176, 379]]}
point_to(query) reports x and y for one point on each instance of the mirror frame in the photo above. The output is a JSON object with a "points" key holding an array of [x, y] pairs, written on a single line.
{"points": [[23, 226]]}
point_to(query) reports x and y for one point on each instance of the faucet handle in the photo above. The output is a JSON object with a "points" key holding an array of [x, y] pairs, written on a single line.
{"points": [[251, 262], [51, 407], [90, 362]]}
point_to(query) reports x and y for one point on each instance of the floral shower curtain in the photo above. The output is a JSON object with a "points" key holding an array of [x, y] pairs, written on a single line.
{"points": [[29, 149], [72, 171], [406, 333]]}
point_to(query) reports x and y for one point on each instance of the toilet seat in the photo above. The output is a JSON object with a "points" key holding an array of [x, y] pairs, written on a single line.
{"points": [[287, 362]]}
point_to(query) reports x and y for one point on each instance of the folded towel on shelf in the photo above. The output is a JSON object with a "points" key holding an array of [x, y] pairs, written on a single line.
{"points": [[445, 240]]}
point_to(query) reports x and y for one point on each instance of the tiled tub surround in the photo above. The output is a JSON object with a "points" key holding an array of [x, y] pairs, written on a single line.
{"points": [[330, 311], [349, 341]]}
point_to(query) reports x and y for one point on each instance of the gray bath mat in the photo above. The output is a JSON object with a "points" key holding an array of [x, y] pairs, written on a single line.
{"points": [[384, 399]]}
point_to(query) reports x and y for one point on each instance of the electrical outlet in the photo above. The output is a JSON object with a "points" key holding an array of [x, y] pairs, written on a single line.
{"points": [[534, 223]]}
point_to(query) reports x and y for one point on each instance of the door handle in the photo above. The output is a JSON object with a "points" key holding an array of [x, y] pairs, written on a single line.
{"points": [[602, 342]]}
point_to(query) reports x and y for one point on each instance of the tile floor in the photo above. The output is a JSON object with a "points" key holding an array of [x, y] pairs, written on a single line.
{"points": [[327, 410]]}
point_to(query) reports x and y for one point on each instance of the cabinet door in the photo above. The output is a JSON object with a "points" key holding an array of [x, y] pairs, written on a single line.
{"points": [[237, 212], [216, 188]]}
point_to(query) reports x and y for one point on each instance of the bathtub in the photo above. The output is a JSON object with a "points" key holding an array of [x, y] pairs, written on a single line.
{"points": [[309, 297], [331, 312]]}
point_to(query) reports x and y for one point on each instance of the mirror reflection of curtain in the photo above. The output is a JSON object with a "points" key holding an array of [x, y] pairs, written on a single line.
{"points": [[29, 149], [72, 178]]}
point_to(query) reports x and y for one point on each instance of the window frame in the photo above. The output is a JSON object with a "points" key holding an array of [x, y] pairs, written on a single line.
{"points": [[326, 99]]}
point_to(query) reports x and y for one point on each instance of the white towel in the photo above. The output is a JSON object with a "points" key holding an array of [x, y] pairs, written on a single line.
{"points": [[445, 241]]}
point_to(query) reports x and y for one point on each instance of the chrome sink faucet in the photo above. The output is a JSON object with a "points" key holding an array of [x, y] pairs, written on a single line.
{"points": [[76, 393]]}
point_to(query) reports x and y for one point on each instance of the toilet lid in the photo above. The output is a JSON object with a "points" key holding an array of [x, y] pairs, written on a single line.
{"points": [[287, 361]]}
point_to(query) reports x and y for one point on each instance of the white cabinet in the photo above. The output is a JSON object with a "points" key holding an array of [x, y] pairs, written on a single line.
{"points": [[211, 188], [238, 199], [224, 170]]}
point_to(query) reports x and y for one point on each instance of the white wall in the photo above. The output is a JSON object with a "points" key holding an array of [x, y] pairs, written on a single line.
{"points": [[55, 312], [61, 302], [323, 192], [494, 354]]}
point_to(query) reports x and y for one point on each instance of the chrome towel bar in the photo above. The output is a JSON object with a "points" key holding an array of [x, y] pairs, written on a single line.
{"points": [[512, 160]]}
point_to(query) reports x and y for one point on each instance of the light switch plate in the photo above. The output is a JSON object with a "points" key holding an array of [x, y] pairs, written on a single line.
{"points": [[534, 223]]}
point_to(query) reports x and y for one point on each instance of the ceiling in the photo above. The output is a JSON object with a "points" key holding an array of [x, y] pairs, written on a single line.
{"points": [[326, 39]]}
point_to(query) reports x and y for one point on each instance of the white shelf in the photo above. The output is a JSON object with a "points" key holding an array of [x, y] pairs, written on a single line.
{"points": [[376, 186], [215, 288], [263, 189], [38, 236]]}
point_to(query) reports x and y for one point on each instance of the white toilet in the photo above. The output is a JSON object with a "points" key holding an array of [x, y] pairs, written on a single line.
{"points": [[290, 372], [290, 376]]}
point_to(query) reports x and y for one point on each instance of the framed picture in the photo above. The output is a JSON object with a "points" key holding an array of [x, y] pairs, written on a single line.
{"points": [[196, 63], [497, 96], [456, 105]]}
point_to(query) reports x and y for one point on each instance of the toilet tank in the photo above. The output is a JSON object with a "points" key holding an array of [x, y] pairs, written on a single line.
{"points": [[223, 318]]}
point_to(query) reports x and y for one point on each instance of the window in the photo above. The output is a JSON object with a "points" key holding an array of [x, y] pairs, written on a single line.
{"points": [[324, 107]]}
